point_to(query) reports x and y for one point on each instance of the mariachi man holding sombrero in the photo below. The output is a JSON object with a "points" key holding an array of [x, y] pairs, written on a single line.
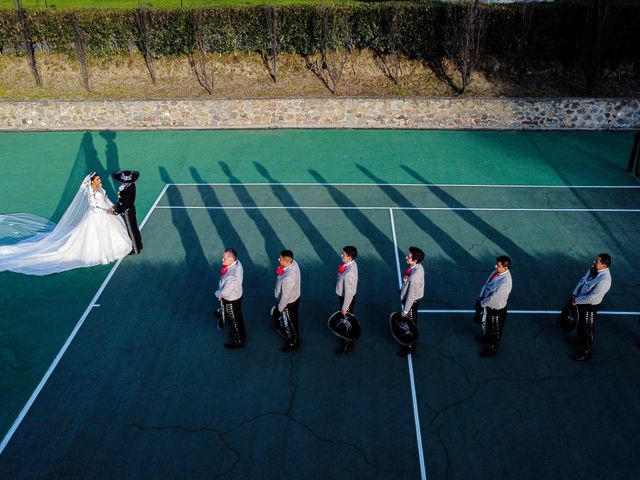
{"points": [[491, 305], [126, 206], [404, 325], [229, 294], [586, 298], [343, 323], [287, 293]]}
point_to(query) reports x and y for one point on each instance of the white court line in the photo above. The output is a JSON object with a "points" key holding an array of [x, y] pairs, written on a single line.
{"points": [[438, 185], [464, 209], [536, 312], [64, 348], [414, 397]]}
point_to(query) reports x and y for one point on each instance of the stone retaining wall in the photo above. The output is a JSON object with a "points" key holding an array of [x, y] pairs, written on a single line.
{"points": [[410, 113]]}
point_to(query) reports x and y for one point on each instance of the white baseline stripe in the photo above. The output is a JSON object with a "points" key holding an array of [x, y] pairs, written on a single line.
{"points": [[395, 246], [437, 185], [414, 397], [537, 312], [64, 348], [475, 209]]}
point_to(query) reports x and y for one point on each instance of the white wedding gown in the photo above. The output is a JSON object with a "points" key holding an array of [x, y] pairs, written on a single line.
{"points": [[86, 235]]}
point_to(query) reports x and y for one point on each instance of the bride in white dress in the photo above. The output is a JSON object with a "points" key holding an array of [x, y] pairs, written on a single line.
{"points": [[88, 234]]}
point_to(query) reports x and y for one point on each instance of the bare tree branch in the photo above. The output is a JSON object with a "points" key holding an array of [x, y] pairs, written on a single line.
{"points": [[333, 57], [78, 41], [389, 60], [143, 21], [593, 37], [270, 59], [463, 46], [198, 59], [27, 42], [524, 40]]}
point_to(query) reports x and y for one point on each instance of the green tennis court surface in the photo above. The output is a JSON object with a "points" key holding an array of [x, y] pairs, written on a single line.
{"points": [[145, 389]]}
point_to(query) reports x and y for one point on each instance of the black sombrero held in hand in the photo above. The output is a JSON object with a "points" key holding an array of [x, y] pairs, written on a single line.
{"points": [[346, 326], [403, 329], [125, 176]]}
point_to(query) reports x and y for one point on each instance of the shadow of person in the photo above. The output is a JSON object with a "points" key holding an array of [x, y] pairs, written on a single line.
{"points": [[111, 154], [470, 217], [194, 255], [382, 244], [269, 234], [597, 216], [323, 249], [445, 241], [86, 162], [221, 221]]}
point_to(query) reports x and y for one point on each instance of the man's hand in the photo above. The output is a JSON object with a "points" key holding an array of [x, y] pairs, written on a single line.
{"points": [[343, 311], [403, 313]]}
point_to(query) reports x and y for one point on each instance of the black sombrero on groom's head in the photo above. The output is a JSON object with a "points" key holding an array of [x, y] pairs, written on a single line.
{"points": [[125, 176]]}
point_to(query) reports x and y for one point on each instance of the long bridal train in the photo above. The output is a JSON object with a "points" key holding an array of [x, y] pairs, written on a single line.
{"points": [[88, 234]]}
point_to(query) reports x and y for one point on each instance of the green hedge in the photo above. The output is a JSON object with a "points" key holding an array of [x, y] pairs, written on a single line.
{"points": [[421, 32]]}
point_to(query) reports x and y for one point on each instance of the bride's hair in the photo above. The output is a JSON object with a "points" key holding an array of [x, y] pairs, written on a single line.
{"points": [[92, 175]]}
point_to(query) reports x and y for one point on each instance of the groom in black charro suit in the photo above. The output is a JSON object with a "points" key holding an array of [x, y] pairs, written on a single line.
{"points": [[126, 206]]}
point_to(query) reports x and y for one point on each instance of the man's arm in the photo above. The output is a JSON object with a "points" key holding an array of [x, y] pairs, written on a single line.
{"points": [[595, 296], [580, 283], [349, 290], [498, 297], [416, 284], [229, 286], [286, 295], [125, 200]]}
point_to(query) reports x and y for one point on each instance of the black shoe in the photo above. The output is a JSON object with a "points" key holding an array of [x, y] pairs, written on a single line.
{"points": [[481, 338], [489, 352], [233, 345], [581, 356], [405, 351], [344, 349], [575, 340], [288, 347]]}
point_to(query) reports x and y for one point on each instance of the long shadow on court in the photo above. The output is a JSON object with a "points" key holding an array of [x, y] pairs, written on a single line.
{"points": [[269, 234], [221, 221], [618, 247], [447, 243], [383, 246], [194, 256], [86, 161], [323, 249], [507, 245], [112, 156]]}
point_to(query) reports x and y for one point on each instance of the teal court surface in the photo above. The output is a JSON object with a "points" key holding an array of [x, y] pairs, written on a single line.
{"points": [[119, 371]]}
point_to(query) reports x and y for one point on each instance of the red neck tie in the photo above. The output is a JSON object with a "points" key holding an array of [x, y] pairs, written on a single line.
{"points": [[493, 275], [341, 269], [280, 270], [223, 270], [407, 272]]}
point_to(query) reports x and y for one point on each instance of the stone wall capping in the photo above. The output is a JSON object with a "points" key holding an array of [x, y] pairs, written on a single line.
{"points": [[418, 113]]}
